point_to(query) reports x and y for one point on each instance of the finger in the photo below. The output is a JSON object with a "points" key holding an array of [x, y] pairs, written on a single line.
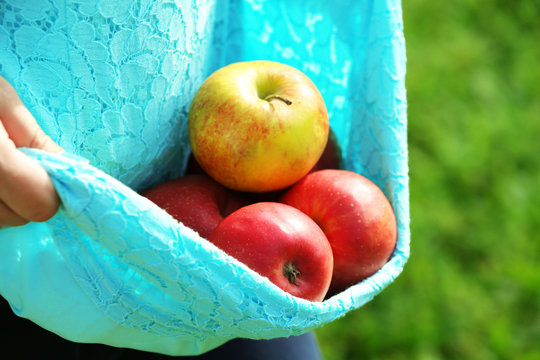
{"points": [[19, 123], [9, 218], [25, 187]]}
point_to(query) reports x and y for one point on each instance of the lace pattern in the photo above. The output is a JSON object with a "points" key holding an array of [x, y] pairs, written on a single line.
{"points": [[111, 80]]}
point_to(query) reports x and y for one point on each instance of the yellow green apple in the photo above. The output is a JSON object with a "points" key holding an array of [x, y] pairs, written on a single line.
{"points": [[257, 126]]}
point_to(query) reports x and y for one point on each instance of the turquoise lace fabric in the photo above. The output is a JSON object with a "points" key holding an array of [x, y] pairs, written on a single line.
{"points": [[111, 82], [108, 78]]}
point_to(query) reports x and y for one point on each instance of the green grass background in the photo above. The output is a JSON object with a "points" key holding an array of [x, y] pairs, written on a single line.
{"points": [[471, 288]]}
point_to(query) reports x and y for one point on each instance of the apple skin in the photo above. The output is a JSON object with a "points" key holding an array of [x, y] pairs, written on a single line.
{"points": [[280, 243], [331, 158], [257, 126], [195, 200], [356, 217]]}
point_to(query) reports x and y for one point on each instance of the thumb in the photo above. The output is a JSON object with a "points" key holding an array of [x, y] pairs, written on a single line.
{"points": [[26, 190], [19, 123]]}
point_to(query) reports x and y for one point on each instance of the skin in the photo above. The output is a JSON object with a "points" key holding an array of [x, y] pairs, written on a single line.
{"points": [[26, 191], [257, 126]]}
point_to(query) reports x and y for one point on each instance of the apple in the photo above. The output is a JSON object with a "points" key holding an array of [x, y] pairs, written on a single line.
{"points": [[195, 200], [331, 158], [193, 167], [257, 126], [280, 243], [356, 217]]}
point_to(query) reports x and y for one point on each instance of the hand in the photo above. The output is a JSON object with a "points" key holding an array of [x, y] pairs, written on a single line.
{"points": [[26, 190]]}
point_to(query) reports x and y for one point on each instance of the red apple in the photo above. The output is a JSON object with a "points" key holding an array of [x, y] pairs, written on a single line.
{"points": [[356, 217], [281, 243], [195, 200], [257, 126]]}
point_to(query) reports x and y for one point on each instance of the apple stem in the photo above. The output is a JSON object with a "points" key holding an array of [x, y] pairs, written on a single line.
{"points": [[291, 273], [270, 97]]}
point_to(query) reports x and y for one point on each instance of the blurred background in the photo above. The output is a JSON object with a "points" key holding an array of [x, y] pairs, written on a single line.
{"points": [[471, 288]]}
